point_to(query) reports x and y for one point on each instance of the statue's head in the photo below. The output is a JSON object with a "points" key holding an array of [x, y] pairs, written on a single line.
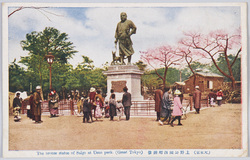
{"points": [[123, 16]]}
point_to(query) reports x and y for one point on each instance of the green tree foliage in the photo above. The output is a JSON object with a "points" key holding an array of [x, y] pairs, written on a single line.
{"points": [[186, 73], [88, 76], [173, 75], [18, 78], [142, 66], [236, 68], [196, 65], [64, 78], [151, 80], [38, 45]]}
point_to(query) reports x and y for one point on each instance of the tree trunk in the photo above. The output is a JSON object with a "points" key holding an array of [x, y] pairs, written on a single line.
{"points": [[164, 83], [41, 93], [233, 83], [63, 93], [165, 76], [194, 80], [41, 87]]}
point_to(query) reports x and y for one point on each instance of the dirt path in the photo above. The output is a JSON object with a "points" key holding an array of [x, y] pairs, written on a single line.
{"points": [[214, 128]]}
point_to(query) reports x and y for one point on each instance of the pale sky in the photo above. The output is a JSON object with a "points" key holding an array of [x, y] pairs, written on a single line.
{"points": [[92, 29]]}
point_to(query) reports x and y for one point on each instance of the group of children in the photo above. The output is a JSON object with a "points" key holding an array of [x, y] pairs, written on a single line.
{"points": [[109, 109], [214, 96]]}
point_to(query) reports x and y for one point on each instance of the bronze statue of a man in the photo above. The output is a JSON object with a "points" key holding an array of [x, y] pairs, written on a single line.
{"points": [[125, 28]]}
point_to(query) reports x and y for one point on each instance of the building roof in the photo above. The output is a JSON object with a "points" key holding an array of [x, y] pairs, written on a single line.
{"points": [[208, 74], [180, 83]]}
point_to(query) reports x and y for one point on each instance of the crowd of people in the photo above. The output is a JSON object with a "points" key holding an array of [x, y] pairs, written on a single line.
{"points": [[33, 107], [163, 106], [94, 101], [109, 107], [168, 104]]}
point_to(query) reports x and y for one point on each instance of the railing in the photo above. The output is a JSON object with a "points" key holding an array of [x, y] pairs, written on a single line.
{"points": [[63, 107], [138, 108], [142, 108]]}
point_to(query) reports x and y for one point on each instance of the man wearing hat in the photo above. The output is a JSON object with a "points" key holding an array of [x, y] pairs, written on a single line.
{"points": [[197, 99], [91, 101], [37, 105]]}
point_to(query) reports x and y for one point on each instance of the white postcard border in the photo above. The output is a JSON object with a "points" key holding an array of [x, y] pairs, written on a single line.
{"points": [[129, 153]]}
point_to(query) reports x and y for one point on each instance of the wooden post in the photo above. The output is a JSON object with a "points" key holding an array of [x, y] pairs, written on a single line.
{"points": [[207, 102], [50, 81], [24, 105], [191, 103]]}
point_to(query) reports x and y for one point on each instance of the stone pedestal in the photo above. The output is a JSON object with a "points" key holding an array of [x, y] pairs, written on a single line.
{"points": [[119, 76]]}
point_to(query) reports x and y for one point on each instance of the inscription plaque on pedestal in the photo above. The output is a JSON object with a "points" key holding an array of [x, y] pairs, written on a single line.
{"points": [[118, 86], [119, 76]]}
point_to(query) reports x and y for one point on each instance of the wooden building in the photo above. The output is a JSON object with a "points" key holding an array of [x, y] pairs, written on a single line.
{"points": [[205, 80]]}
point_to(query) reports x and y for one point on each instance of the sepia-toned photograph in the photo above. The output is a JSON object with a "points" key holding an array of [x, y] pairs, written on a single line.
{"points": [[124, 80]]}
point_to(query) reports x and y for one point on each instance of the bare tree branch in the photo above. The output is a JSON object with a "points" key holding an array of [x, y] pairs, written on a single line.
{"points": [[236, 57], [40, 9], [15, 11]]}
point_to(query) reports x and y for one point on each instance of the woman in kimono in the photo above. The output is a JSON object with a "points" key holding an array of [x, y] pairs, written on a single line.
{"points": [[165, 107], [53, 103], [98, 111]]}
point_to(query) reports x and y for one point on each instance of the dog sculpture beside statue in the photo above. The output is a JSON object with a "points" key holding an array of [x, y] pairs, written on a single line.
{"points": [[116, 60]]}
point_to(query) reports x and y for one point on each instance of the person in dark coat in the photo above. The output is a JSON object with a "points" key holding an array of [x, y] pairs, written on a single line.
{"points": [[92, 99], [197, 99], [37, 105], [86, 110], [165, 107], [17, 101], [112, 107], [112, 92], [126, 102], [31, 103], [158, 101], [16, 107]]}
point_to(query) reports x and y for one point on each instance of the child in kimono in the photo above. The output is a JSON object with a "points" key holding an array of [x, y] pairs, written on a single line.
{"points": [[119, 107], [106, 109], [212, 102], [98, 111], [177, 111]]}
